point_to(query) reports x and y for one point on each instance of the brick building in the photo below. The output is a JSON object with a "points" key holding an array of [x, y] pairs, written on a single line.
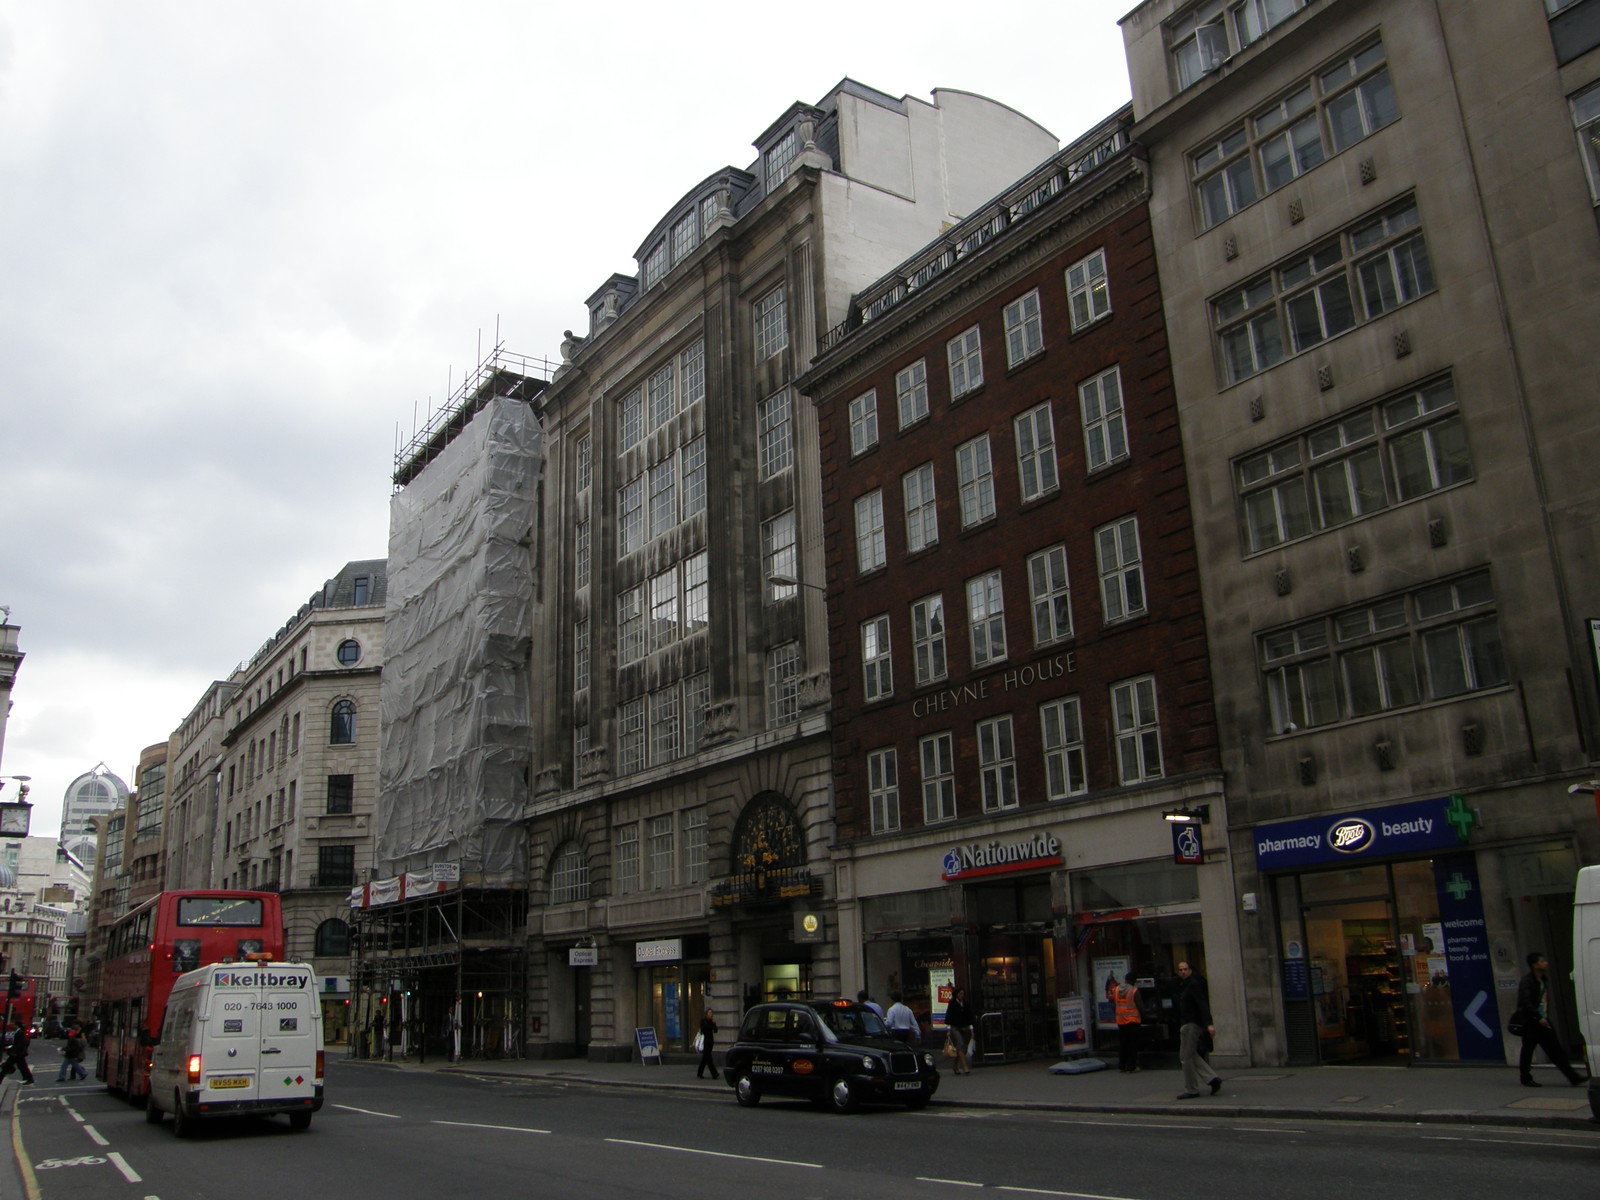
{"points": [[1020, 679]]}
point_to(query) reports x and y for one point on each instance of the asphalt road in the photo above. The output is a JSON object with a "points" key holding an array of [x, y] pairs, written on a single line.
{"points": [[415, 1136]]}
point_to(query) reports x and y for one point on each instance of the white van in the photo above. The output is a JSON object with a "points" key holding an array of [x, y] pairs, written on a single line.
{"points": [[1586, 973], [239, 1038]]}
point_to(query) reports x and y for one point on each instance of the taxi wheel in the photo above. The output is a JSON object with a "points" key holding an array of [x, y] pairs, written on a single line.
{"points": [[746, 1092], [841, 1095], [152, 1114]]}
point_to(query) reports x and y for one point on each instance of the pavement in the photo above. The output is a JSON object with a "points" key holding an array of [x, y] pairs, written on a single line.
{"points": [[1453, 1094]]}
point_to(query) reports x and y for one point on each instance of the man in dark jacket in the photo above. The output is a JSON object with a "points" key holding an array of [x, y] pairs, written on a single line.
{"points": [[1533, 996], [17, 1054], [1194, 1019]]}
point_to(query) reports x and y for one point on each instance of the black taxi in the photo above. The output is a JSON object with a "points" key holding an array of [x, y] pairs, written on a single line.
{"points": [[831, 1052]]}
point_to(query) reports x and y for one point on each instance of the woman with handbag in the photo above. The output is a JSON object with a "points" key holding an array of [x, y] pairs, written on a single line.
{"points": [[704, 1043], [958, 1020]]}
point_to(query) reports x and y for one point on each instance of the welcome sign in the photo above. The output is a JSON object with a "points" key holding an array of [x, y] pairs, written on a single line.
{"points": [[1418, 827]]}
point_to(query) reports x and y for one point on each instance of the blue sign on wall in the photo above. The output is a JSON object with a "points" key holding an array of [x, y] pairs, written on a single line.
{"points": [[1416, 828], [1466, 946]]}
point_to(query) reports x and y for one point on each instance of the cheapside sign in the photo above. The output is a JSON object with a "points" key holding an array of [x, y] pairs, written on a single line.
{"points": [[1419, 827]]}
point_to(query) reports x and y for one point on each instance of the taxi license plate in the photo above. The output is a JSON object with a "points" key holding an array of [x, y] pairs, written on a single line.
{"points": [[909, 1086], [229, 1083]]}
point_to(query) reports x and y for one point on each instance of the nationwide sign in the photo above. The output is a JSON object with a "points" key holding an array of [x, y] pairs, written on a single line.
{"points": [[1422, 826], [977, 859]]}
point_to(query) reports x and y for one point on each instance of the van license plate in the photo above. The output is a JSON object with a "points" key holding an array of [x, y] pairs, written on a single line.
{"points": [[229, 1083]]}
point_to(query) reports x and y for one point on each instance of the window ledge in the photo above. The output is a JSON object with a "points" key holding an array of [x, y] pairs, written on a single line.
{"points": [[1017, 368]]}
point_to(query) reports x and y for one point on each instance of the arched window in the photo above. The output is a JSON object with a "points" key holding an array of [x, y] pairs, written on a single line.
{"points": [[333, 939], [343, 729], [569, 875]]}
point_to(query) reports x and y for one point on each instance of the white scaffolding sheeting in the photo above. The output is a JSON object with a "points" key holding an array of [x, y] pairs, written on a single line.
{"points": [[456, 744]]}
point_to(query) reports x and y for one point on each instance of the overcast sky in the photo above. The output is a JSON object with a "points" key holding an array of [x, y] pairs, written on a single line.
{"points": [[241, 244]]}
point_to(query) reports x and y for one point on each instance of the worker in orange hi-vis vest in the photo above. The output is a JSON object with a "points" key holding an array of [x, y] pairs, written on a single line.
{"points": [[1126, 999]]}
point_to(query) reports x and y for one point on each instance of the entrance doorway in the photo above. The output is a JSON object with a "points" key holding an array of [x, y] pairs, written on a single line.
{"points": [[1344, 997]]}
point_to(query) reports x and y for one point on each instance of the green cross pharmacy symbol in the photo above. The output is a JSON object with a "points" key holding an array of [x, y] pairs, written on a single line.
{"points": [[1458, 887], [1459, 817]]}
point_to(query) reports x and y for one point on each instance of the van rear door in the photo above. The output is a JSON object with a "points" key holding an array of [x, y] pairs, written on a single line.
{"points": [[230, 1046], [290, 1037]]}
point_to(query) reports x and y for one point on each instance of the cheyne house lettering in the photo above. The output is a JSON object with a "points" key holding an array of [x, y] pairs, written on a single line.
{"points": [[996, 857]]}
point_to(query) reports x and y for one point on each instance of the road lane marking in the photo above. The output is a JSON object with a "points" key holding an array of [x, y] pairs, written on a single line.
{"points": [[477, 1125], [1509, 1142], [121, 1164], [366, 1111], [951, 1182], [782, 1162], [95, 1136], [1131, 1124], [1048, 1192]]}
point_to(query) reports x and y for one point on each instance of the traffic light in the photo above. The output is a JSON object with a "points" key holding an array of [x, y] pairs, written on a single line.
{"points": [[14, 988]]}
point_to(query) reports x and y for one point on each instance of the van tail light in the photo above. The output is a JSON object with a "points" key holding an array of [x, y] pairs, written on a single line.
{"points": [[194, 1068], [319, 1065]]}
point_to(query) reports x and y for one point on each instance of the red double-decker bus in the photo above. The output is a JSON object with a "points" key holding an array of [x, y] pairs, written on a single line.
{"points": [[154, 944]]}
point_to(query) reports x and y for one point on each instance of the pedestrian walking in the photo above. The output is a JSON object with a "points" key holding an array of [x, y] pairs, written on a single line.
{"points": [[1533, 1007], [958, 1020], [1130, 1028], [705, 1043], [73, 1051], [902, 1022], [17, 1053], [1194, 1021], [866, 1001]]}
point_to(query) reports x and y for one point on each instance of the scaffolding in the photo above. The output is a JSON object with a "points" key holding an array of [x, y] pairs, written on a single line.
{"points": [[442, 976]]}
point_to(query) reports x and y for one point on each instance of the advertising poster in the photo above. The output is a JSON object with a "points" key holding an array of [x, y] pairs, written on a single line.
{"points": [[1074, 1031], [941, 987], [1467, 963]]}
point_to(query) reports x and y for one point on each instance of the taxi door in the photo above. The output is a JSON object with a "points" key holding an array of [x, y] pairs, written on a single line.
{"points": [[230, 1047], [290, 1038]]}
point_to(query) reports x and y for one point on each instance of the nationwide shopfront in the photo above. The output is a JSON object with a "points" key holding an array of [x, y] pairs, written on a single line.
{"points": [[1397, 936], [1030, 924]]}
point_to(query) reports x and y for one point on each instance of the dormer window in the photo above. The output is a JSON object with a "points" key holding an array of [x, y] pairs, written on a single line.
{"points": [[780, 156], [685, 237], [709, 208], [655, 264]]}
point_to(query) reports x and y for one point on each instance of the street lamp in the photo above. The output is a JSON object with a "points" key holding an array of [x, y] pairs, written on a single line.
{"points": [[1200, 814], [791, 581], [16, 815]]}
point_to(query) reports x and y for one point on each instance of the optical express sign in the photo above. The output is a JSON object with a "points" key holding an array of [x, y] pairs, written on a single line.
{"points": [[1426, 825]]}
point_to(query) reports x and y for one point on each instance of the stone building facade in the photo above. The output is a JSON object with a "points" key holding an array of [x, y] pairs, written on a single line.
{"points": [[1380, 267], [681, 825]]}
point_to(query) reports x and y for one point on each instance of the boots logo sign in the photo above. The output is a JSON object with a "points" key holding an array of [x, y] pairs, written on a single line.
{"points": [[1351, 835]]}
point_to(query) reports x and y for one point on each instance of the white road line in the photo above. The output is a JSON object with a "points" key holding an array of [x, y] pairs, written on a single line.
{"points": [[76, 1116], [94, 1136], [1485, 1141], [366, 1111], [782, 1162], [1130, 1124], [121, 1164], [1048, 1192], [476, 1125], [951, 1182]]}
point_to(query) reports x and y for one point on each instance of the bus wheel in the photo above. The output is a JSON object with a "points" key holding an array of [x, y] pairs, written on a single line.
{"points": [[183, 1125], [152, 1114], [299, 1121]]}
